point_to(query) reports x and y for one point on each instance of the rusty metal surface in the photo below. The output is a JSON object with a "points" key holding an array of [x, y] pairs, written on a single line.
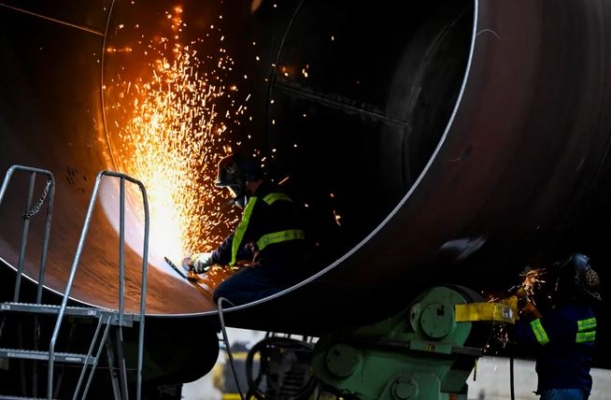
{"points": [[446, 171]]}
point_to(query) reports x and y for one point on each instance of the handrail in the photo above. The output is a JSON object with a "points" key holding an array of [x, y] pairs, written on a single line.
{"points": [[29, 212], [76, 260]]}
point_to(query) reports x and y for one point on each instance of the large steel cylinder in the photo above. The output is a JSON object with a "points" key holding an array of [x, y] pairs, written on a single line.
{"points": [[452, 143]]}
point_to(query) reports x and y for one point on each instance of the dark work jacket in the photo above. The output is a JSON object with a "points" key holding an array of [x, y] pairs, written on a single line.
{"points": [[563, 362], [269, 234]]}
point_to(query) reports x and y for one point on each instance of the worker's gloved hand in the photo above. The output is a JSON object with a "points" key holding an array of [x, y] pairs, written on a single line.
{"points": [[527, 310], [198, 263]]}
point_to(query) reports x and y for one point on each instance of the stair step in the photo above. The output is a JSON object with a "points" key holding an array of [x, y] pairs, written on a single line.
{"points": [[91, 312], [75, 358]]}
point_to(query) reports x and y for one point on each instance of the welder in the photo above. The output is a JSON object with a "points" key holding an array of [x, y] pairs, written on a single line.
{"points": [[269, 237], [564, 336]]}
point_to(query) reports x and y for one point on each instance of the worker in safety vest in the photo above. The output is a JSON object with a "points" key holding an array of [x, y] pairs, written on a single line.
{"points": [[564, 336], [269, 236]]}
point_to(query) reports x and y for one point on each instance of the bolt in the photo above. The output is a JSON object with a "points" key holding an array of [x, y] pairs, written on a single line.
{"points": [[403, 389]]}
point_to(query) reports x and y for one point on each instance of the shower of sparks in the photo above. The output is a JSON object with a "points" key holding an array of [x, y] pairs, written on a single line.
{"points": [[532, 283], [169, 123], [532, 280]]}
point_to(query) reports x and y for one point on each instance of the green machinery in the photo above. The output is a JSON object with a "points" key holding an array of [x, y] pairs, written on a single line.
{"points": [[425, 352]]}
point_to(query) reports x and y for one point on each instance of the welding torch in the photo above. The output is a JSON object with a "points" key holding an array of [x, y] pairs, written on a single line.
{"points": [[190, 276]]}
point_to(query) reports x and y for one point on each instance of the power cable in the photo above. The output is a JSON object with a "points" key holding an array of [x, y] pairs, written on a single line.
{"points": [[227, 346]]}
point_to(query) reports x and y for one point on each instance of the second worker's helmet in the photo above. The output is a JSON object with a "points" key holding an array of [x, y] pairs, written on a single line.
{"points": [[233, 173], [576, 278]]}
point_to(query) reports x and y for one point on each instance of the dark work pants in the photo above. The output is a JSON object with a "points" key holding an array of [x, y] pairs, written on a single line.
{"points": [[564, 394], [247, 285]]}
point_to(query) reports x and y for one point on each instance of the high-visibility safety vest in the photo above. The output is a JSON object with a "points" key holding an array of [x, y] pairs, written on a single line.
{"points": [[267, 239], [586, 331]]}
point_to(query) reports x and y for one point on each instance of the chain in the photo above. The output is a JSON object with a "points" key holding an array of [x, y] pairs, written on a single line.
{"points": [[36, 208]]}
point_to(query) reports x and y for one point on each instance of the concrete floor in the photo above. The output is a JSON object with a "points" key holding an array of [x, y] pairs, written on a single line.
{"points": [[491, 380]]}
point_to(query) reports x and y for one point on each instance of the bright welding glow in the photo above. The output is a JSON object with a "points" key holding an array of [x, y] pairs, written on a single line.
{"points": [[168, 125]]}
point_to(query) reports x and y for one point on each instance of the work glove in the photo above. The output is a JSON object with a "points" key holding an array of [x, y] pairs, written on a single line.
{"points": [[526, 307], [529, 311], [198, 263]]}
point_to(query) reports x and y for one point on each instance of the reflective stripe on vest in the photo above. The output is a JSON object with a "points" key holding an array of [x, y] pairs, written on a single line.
{"points": [[282, 236], [277, 237], [539, 331], [265, 240], [586, 330], [241, 229], [272, 197]]}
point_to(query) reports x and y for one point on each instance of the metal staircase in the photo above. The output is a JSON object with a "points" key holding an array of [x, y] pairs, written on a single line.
{"points": [[108, 332]]}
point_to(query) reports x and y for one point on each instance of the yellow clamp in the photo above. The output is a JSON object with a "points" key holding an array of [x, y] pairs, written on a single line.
{"points": [[503, 311]]}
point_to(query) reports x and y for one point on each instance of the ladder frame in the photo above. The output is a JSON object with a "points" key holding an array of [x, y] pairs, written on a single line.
{"points": [[112, 318]]}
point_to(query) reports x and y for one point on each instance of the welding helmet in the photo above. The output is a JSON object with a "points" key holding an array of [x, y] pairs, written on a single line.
{"points": [[577, 279], [233, 173]]}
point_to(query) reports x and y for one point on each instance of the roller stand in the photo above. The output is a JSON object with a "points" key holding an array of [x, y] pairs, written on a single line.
{"points": [[425, 352]]}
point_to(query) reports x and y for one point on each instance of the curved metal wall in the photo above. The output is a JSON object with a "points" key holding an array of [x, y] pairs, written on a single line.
{"points": [[459, 143]]}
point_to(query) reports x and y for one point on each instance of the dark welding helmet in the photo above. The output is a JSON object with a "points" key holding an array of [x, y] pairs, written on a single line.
{"points": [[233, 173], [576, 278]]}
